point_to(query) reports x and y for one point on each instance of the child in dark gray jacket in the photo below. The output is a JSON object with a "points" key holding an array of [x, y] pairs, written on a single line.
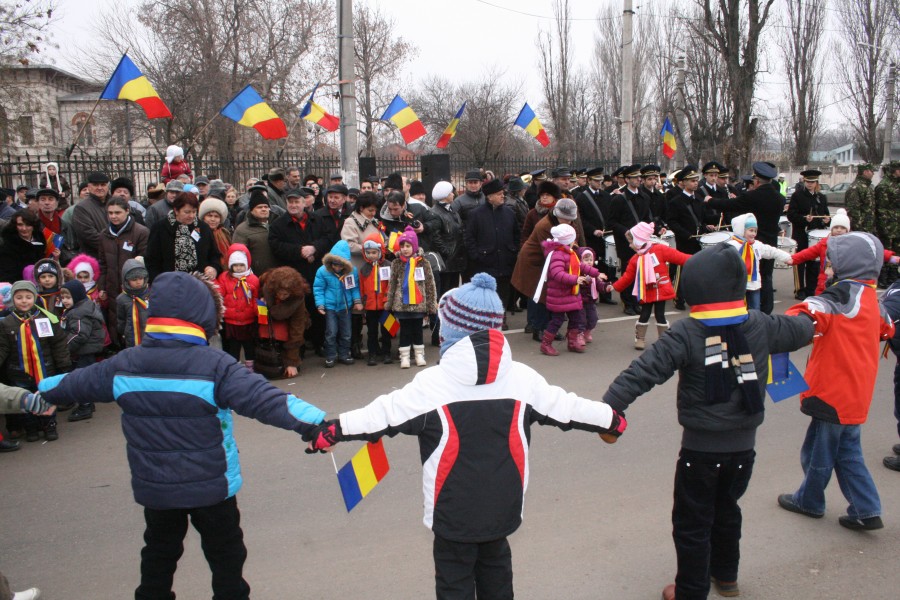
{"points": [[721, 355], [82, 321]]}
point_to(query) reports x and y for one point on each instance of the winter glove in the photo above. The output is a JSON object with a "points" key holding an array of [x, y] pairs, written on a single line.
{"points": [[616, 428], [324, 436], [35, 404]]}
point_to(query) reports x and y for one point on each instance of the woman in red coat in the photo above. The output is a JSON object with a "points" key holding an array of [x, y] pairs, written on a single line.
{"points": [[648, 273]]}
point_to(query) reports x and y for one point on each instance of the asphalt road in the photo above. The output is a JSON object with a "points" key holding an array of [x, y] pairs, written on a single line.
{"points": [[597, 517]]}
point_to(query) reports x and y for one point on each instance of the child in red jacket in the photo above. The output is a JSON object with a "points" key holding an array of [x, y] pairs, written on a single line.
{"points": [[849, 323], [240, 291], [648, 273], [374, 277]]}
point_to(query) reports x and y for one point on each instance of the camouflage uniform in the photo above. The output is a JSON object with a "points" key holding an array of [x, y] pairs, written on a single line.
{"points": [[860, 202], [887, 214]]}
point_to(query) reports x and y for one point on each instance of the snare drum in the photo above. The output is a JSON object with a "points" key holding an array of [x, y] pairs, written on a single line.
{"points": [[816, 236], [786, 226], [612, 258], [668, 238], [714, 238], [789, 246]]}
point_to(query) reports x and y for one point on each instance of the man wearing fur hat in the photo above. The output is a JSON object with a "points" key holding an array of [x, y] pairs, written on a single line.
{"points": [[177, 395]]}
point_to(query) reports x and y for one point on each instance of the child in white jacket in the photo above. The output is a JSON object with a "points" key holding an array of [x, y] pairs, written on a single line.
{"points": [[744, 229]]}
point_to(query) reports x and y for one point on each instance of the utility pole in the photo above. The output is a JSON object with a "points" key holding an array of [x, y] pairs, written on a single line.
{"points": [[889, 115], [627, 128], [347, 76], [680, 111]]}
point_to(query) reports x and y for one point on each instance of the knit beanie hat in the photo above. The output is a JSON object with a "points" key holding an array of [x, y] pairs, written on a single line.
{"points": [[566, 209], [46, 265], [5, 294], [840, 219], [563, 234], [715, 274], [409, 235], [472, 307], [742, 223], [394, 181], [237, 258], [214, 205], [441, 190], [257, 198], [76, 290], [23, 286], [134, 269], [641, 233]]}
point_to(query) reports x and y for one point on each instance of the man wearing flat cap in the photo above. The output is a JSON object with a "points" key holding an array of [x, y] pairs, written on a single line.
{"points": [[536, 177], [805, 212], [277, 185], [471, 198], [89, 216], [562, 177], [767, 203], [860, 199]]}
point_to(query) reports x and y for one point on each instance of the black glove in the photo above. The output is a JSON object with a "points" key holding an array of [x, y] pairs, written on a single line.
{"points": [[324, 436]]}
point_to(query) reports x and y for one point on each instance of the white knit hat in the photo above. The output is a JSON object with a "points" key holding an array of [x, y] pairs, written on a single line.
{"points": [[441, 190], [841, 219], [237, 258], [564, 234]]}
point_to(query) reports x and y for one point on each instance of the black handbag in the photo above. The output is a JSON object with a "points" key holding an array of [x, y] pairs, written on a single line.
{"points": [[269, 357]]}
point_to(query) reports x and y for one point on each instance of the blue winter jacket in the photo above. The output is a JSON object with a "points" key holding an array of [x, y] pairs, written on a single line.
{"points": [[329, 290], [176, 399]]}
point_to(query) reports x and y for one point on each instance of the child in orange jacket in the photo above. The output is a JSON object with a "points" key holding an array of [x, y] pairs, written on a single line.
{"points": [[374, 277]]}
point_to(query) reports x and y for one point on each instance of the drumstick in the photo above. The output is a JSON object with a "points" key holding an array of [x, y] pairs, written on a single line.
{"points": [[677, 278], [796, 279], [721, 216]]}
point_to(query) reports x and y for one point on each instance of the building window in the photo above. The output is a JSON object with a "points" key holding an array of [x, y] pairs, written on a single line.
{"points": [[26, 130], [54, 127], [87, 136]]}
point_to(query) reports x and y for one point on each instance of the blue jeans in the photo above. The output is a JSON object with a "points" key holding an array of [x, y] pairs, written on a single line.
{"points": [[834, 447], [337, 334], [753, 299]]}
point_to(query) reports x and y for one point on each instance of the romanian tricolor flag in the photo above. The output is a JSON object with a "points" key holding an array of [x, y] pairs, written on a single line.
{"points": [[390, 323], [360, 476], [448, 134], [250, 110], [528, 121], [315, 113], [409, 288], [401, 115], [668, 139], [262, 312], [53, 242], [30, 355], [161, 328], [720, 314], [128, 83]]}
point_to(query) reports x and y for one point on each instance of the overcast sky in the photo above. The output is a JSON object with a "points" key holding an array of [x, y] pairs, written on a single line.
{"points": [[459, 39]]}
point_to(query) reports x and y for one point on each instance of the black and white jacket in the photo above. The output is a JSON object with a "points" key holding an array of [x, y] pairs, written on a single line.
{"points": [[473, 414]]}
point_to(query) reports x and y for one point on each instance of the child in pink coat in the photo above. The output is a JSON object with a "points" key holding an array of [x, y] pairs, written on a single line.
{"points": [[563, 276]]}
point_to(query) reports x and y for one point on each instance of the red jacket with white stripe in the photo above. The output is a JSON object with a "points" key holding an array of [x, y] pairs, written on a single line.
{"points": [[817, 252], [663, 289], [473, 414]]}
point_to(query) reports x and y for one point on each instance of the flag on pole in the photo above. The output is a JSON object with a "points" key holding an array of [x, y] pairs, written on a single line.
{"points": [[785, 379], [248, 108], [668, 139], [450, 132], [315, 113], [528, 121], [401, 115], [364, 471], [128, 83]]}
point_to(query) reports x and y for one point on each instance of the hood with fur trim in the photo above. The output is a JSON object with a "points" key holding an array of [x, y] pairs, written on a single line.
{"points": [[239, 248], [338, 257], [85, 258]]}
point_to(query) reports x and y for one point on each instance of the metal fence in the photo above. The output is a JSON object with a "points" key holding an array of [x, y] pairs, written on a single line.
{"points": [[143, 170]]}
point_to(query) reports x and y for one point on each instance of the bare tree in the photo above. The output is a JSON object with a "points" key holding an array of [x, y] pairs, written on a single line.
{"points": [[802, 52], [733, 28], [555, 65], [380, 55], [24, 28], [864, 43]]}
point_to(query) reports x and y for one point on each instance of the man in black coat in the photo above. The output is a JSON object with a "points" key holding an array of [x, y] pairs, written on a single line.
{"points": [[627, 209], [328, 221], [767, 203], [492, 238], [805, 204], [594, 207]]}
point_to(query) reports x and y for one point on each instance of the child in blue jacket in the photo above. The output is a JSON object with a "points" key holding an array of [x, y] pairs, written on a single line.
{"points": [[336, 290], [176, 394]]}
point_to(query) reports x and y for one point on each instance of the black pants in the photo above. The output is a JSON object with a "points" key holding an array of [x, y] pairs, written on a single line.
{"points": [[378, 339], [233, 348], [657, 308], [811, 276], [411, 331], [767, 291], [463, 570], [706, 518], [221, 539]]}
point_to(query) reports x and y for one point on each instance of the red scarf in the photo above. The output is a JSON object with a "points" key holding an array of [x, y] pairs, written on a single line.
{"points": [[54, 223], [302, 221]]}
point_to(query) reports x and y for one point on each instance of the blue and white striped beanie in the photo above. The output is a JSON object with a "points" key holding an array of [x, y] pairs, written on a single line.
{"points": [[472, 307]]}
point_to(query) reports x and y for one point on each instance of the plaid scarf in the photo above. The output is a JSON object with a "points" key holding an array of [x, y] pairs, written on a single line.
{"points": [[728, 358]]}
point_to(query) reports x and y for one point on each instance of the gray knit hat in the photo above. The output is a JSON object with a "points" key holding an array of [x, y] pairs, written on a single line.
{"points": [[25, 286]]}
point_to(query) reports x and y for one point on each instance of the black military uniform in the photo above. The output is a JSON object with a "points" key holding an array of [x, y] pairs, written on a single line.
{"points": [[531, 195], [655, 198], [713, 190], [805, 204], [687, 217], [627, 209]]}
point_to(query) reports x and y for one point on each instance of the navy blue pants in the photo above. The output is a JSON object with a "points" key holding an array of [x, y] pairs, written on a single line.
{"points": [[464, 571]]}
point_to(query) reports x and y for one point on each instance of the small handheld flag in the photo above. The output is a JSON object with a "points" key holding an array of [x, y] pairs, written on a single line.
{"points": [[668, 139], [53, 241], [450, 132], [528, 121], [316, 114], [248, 108], [401, 115], [128, 83], [262, 312], [390, 323], [785, 379], [364, 471]]}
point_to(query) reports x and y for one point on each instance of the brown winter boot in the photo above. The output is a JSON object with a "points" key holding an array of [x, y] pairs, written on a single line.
{"points": [[547, 344], [640, 333], [574, 341], [661, 329]]}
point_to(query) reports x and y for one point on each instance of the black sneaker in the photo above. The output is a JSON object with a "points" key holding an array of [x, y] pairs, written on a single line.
{"points": [[50, 432], [679, 305], [346, 361], [855, 524], [786, 501], [7, 446], [84, 411], [387, 359], [892, 462], [32, 435], [329, 362], [372, 361], [896, 449]]}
